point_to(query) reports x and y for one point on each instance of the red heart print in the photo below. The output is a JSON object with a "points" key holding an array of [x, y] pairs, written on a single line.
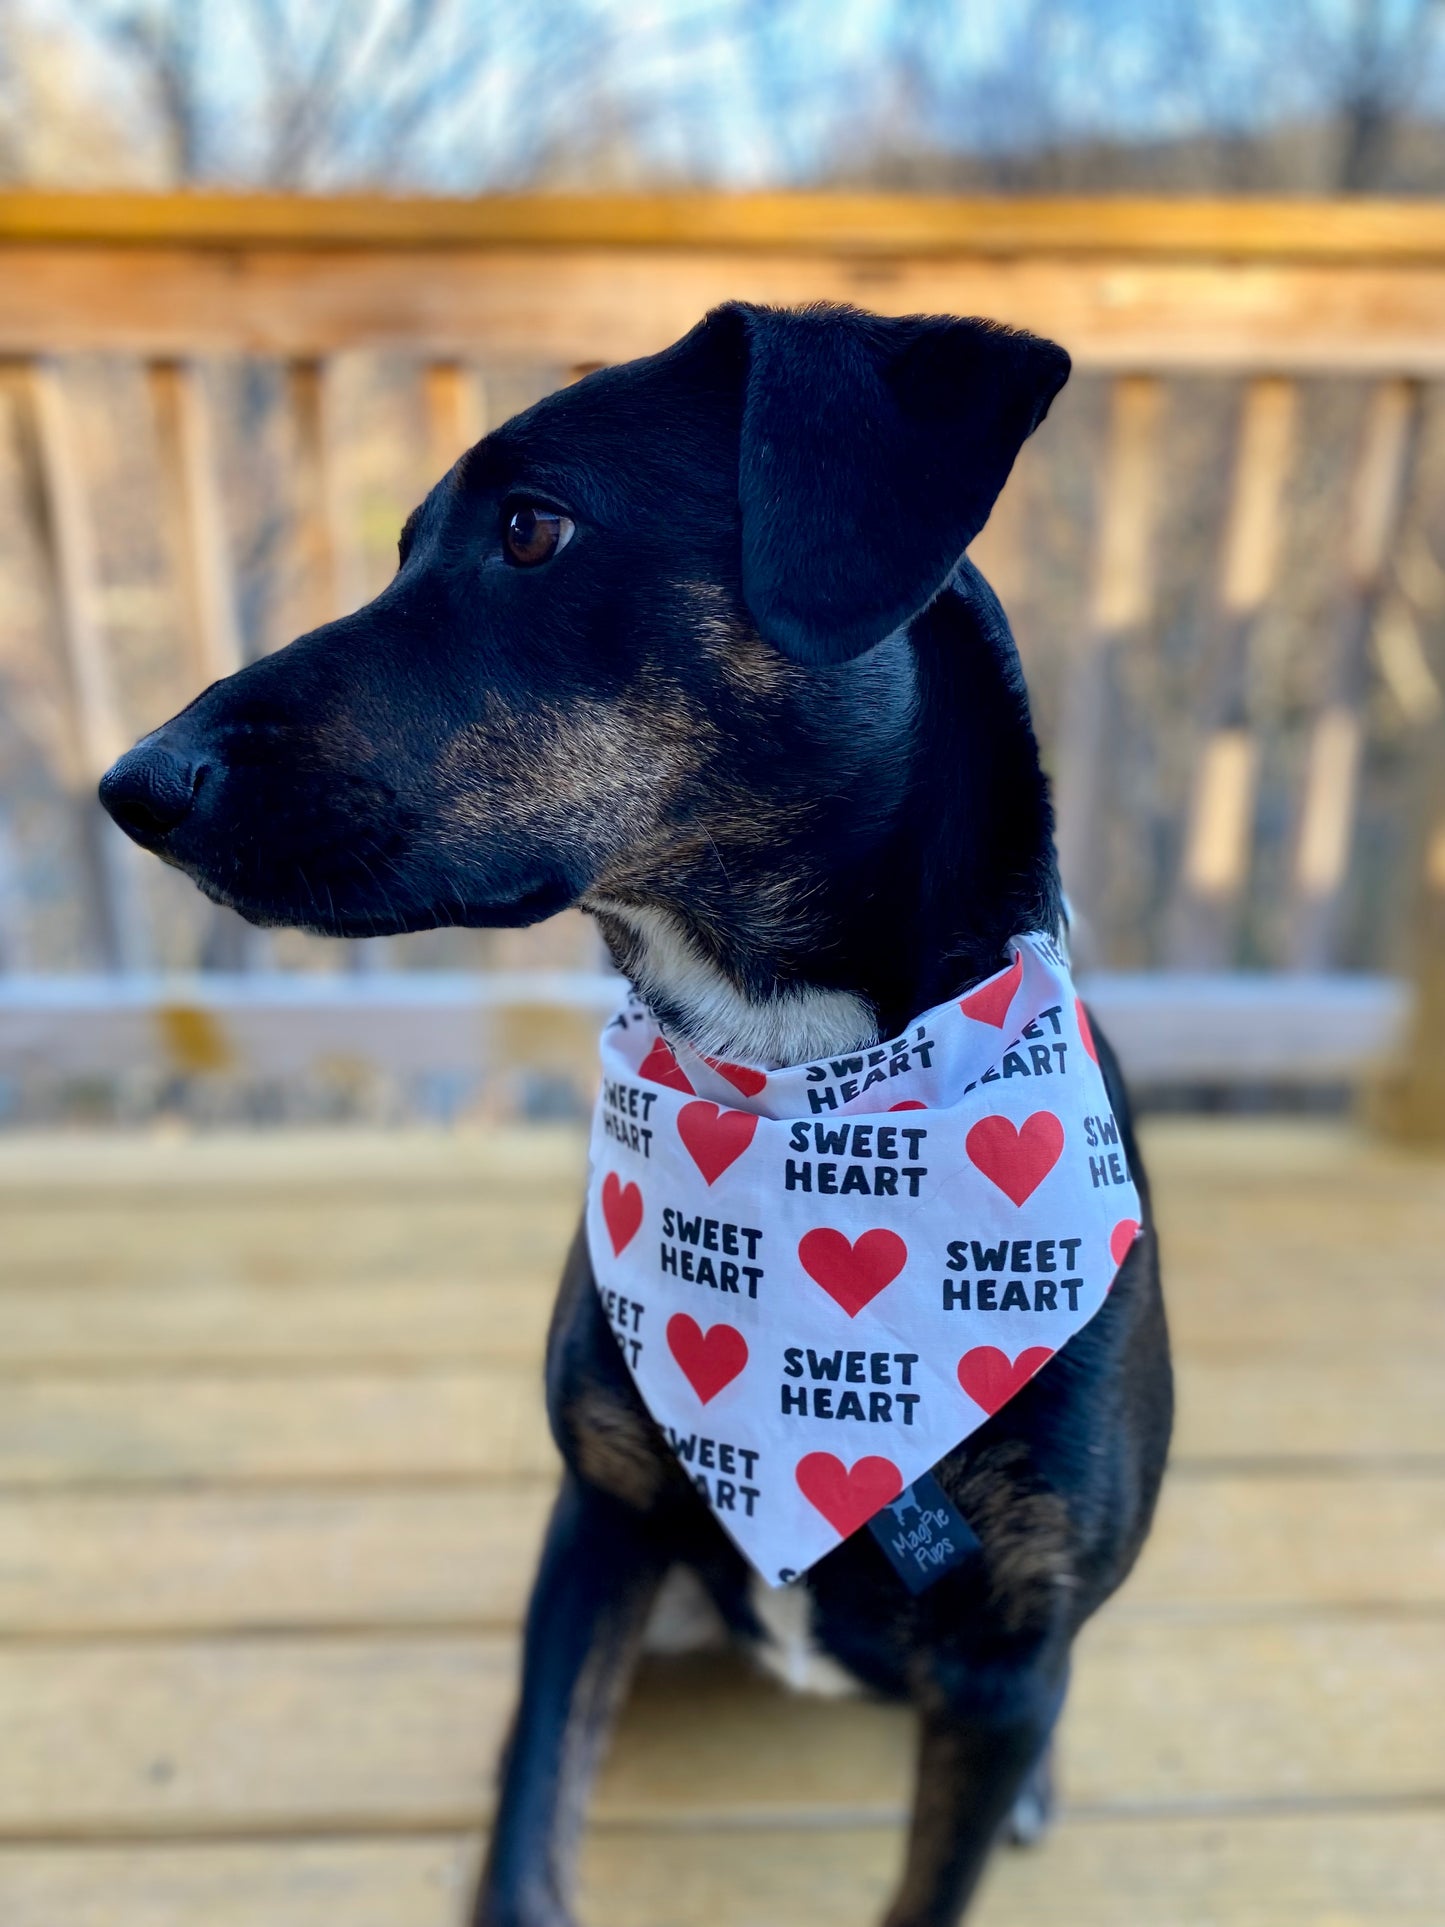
{"points": [[991, 1381], [1018, 1159], [989, 1004], [622, 1208], [660, 1066], [852, 1274], [749, 1082], [1086, 1029], [1121, 1239], [709, 1359], [714, 1138], [847, 1499], [909, 1104]]}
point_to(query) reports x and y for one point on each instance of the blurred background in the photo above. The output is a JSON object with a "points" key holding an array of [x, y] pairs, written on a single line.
{"points": [[1238, 763], [280, 1217], [464, 97]]}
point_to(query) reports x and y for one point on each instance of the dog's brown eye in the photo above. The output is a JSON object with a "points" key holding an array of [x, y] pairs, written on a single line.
{"points": [[533, 535]]}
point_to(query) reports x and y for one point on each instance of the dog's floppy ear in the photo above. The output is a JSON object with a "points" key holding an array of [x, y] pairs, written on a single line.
{"points": [[872, 452]]}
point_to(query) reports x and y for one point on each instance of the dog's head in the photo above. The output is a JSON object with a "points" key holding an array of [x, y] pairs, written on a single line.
{"points": [[632, 629]]}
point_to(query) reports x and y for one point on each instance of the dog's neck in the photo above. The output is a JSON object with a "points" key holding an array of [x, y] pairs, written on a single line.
{"points": [[947, 852], [715, 1010]]}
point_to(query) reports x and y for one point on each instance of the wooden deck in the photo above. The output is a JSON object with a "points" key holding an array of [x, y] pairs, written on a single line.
{"points": [[273, 1467]]}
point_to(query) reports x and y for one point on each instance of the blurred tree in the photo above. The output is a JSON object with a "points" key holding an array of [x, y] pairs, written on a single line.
{"points": [[291, 93], [166, 43], [313, 93], [1307, 95], [1374, 64], [461, 95]]}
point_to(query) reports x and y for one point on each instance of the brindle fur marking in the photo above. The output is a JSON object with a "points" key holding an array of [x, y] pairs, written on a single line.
{"points": [[766, 722]]}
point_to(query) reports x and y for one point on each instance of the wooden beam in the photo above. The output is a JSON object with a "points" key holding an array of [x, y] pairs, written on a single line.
{"points": [[885, 225], [566, 307], [1240, 1028], [1220, 1030]]}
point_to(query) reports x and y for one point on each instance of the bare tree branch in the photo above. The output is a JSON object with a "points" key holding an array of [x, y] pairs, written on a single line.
{"points": [[475, 93]]}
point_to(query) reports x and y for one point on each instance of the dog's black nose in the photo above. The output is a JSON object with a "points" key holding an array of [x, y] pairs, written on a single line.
{"points": [[149, 791]]}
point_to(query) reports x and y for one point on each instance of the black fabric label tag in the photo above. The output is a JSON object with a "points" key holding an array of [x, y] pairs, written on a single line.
{"points": [[923, 1533]]}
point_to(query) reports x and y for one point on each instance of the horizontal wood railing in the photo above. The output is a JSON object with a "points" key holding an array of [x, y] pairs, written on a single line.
{"points": [[1128, 285], [1374, 233], [1271, 294]]}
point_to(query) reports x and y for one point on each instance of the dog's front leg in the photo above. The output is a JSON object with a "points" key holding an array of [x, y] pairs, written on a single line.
{"points": [[597, 1578], [977, 1751]]}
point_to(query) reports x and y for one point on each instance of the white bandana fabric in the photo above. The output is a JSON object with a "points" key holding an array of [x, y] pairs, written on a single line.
{"points": [[824, 1277]]}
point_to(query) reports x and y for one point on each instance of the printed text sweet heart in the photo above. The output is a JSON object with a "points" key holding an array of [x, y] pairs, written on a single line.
{"points": [[823, 1277]]}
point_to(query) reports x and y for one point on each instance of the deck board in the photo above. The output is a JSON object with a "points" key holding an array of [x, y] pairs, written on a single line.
{"points": [[1292, 1870], [411, 1555], [187, 1324], [141, 1429], [238, 1735], [408, 1420], [218, 1561], [480, 1306], [272, 1469]]}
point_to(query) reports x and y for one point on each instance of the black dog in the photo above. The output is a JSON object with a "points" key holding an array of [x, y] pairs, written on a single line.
{"points": [[693, 644]]}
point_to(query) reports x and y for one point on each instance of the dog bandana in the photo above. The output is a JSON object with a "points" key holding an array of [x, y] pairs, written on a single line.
{"points": [[824, 1277]]}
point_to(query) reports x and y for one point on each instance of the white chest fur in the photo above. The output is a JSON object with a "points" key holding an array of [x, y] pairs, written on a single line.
{"points": [[684, 1620], [793, 1027], [789, 1651]]}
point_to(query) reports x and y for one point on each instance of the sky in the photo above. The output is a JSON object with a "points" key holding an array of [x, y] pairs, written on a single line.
{"points": [[462, 94]]}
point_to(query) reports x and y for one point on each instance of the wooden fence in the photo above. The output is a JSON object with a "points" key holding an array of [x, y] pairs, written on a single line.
{"points": [[1273, 296]]}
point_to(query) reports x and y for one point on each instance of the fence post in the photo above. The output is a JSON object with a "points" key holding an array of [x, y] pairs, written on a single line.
{"points": [[194, 522], [1120, 603], [1332, 773], [1214, 866], [328, 559], [118, 890], [1411, 1104], [454, 404], [327, 554]]}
